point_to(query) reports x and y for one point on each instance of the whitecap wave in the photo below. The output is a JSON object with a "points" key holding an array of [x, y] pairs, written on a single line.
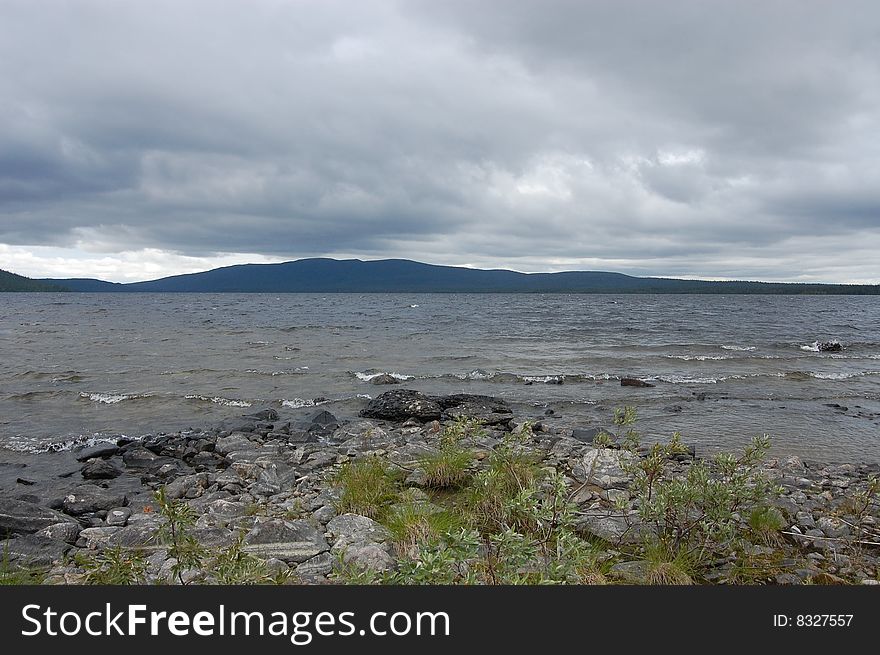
{"points": [[218, 400], [739, 348], [813, 347], [297, 403], [113, 398], [366, 377]]}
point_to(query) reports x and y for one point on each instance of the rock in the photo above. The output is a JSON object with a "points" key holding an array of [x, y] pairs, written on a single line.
{"points": [[289, 541], [138, 457], [267, 414], [830, 346], [98, 450], [631, 572], [316, 568], [384, 378], [603, 467], [22, 517], [401, 404], [368, 556], [187, 486], [354, 528], [588, 434], [25, 482], [833, 527], [89, 498], [486, 409], [33, 551], [613, 529], [99, 469], [634, 382], [138, 534], [323, 423], [118, 516], [67, 532], [97, 538]]}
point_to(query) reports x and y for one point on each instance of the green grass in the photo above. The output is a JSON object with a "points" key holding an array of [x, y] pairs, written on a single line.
{"points": [[369, 487]]}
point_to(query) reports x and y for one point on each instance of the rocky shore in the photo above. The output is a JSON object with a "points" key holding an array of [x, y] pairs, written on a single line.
{"points": [[270, 482]]}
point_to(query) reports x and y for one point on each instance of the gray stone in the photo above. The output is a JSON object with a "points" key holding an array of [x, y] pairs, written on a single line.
{"points": [[187, 486], [118, 516], [316, 568], [67, 532], [32, 550], [139, 534], [98, 450], [99, 469], [486, 409], [631, 572], [833, 527], [368, 556], [96, 538], [22, 517], [89, 498], [138, 457], [603, 467], [290, 541], [613, 529], [354, 528]]}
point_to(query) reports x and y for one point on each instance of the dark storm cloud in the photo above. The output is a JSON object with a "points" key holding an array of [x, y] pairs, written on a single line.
{"points": [[691, 138]]}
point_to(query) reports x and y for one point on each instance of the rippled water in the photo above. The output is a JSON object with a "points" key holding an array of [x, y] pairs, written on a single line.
{"points": [[725, 367]]}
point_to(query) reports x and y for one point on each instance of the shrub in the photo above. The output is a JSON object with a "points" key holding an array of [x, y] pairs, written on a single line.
{"points": [[369, 486]]}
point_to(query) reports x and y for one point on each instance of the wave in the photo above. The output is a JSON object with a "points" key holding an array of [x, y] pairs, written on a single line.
{"points": [[300, 370], [113, 398], [366, 377], [739, 348], [41, 446], [297, 403], [218, 400]]}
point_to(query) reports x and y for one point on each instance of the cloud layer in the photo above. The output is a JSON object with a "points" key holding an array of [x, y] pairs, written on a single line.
{"points": [[717, 140]]}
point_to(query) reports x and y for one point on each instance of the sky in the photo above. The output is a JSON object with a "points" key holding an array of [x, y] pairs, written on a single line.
{"points": [[699, 139]]}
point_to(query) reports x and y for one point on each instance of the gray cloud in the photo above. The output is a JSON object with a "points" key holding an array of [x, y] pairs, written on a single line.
{"points": [[685, 138]]}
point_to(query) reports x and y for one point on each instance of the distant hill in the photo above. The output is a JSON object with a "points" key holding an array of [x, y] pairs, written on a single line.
{"points": [[12, 282], [404, 276]]}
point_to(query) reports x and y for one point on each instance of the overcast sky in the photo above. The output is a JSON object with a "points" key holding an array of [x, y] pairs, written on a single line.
{"points": [[695, 139]]}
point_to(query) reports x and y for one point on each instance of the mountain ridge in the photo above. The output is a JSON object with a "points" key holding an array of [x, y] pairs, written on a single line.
{"points": [[326, 275]]}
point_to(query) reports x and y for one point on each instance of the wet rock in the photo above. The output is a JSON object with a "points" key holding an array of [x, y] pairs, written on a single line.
{"points": [[267, 414], [486, 409], [384, 378], [89, 498], [99, 450], [100, 469], [401, 404], [634, 382], [138, 457], [830, 346], [22, 517]]}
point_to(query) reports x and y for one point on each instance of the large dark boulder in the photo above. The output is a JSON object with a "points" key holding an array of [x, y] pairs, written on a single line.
{"points": [[99, 469], [402, 404], [19, 516], [486, 409], [634, 382], [99, 450], [830, 346]]}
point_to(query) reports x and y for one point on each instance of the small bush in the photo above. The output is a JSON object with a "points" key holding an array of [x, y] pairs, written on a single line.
{"points": [[369, 486], [448, 469]]}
